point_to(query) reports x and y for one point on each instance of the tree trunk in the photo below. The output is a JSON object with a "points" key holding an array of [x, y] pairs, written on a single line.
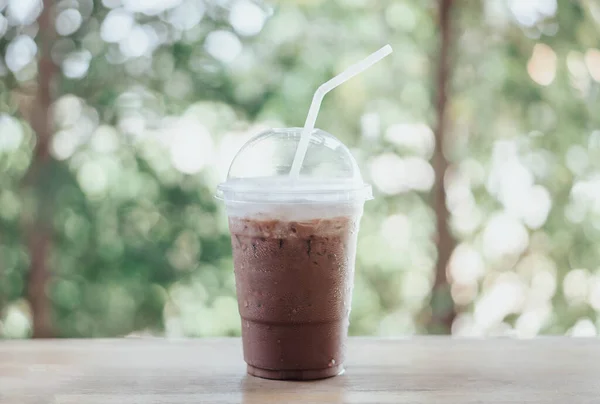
{"points": [[38, 227], [442, 306]]}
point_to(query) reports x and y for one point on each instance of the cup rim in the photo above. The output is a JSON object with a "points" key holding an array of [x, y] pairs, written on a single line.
{"points": [[340, 191]]}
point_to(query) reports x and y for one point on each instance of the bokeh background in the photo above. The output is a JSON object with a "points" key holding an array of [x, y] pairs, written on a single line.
{"points": [[119, 117]]}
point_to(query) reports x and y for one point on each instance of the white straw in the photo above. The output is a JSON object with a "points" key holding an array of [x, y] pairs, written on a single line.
{"points": [[323, 89]]}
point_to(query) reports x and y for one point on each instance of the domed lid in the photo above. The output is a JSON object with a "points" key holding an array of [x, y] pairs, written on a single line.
{"points": [[260, 171]]}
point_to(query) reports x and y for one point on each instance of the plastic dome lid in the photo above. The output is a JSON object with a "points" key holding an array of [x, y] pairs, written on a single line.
{"points": [[260, 171]]}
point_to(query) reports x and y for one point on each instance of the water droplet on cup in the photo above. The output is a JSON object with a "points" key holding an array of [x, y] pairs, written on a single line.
{"points": [[246, 304], [331, 363]]}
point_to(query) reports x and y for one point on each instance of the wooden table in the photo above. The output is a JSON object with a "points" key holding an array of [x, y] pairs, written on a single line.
{"points": [[420, 370]]}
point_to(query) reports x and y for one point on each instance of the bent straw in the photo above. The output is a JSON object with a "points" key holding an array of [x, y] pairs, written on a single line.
{"points": [[323, 89]]}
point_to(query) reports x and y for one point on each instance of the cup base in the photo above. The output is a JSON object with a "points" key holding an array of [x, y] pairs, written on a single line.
{"points": [[310, 374]]}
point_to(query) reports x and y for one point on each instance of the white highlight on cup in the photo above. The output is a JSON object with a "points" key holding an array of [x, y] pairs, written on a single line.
{"points": [[323, 89]]}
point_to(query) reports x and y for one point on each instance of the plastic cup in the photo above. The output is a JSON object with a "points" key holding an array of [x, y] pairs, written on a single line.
{"points": [[294, 249]]}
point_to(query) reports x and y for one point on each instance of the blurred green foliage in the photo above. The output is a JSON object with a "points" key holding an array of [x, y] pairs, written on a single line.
{"points": [[153, 98]]}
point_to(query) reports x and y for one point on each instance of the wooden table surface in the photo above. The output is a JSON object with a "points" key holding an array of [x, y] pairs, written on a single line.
{"points": [[420, 370]]}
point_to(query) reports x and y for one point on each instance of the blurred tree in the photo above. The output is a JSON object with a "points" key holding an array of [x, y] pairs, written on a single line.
{"points": [[39, 183], [109, 227], [441, 304]]}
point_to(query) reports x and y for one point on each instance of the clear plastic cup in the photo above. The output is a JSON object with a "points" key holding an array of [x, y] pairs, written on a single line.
{"points": [[294, 249]]}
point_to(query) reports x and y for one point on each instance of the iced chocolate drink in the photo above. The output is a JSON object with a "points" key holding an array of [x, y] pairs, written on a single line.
{"points": [[294, 286], [294, 197], [294, 247]]}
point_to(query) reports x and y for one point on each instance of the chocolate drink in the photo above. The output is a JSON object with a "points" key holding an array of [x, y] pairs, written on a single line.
{"points": [[294, 284]]}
